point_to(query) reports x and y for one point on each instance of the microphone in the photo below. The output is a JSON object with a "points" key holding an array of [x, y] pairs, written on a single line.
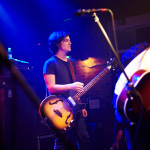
{"points": [[81, 12]]}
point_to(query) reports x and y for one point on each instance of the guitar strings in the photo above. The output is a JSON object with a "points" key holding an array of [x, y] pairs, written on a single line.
{"points": [[90, 84]]}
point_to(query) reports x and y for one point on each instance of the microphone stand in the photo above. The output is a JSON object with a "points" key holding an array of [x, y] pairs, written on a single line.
{"points": [[110, 44]]}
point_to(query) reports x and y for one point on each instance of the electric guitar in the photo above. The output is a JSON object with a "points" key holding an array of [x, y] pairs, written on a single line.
{"points": [[58, 112]]}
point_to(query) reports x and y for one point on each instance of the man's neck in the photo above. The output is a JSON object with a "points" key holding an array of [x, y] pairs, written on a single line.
{"points": [[62, 56]]}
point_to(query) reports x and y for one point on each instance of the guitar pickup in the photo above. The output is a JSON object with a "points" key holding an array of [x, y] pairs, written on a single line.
{"points": [[72, 101], [57, 112]]}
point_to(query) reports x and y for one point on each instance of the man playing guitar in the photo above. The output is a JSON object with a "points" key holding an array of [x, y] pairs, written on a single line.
{"points": [[59, 81]]}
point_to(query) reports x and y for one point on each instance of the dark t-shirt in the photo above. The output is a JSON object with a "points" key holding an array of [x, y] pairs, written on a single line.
{"points": [[61, 70]]}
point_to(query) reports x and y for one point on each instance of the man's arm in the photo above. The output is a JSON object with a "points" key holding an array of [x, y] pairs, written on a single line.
{"points": [[58, 88]]}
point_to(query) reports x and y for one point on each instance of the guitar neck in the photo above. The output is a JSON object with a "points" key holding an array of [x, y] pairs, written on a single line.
{"points": [[92, 82]]}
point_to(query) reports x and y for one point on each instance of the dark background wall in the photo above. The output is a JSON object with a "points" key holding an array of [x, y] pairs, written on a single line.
{"points": [[25, 27]]}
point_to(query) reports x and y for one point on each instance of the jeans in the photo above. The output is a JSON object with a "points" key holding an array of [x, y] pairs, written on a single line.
{"points": [[77, 138]]}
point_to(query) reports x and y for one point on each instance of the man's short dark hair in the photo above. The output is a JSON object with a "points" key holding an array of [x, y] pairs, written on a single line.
{"points": [[55, 39]]}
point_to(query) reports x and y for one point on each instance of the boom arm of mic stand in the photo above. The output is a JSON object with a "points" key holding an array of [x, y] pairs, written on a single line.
{"points": [[110, 44]]}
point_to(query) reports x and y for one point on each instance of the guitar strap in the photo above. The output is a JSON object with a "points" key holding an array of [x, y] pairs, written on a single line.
{"points": [[72, 73], [71, 70]]}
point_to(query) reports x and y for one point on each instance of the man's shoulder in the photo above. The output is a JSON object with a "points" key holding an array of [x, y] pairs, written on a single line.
{"points": [[50, 60]]}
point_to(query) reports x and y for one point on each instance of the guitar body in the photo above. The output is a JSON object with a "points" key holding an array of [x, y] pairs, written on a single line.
{"points": [[131, 109], [59, 113]]}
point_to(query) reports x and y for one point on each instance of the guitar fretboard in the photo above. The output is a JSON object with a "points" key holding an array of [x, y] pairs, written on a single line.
{"points": [[92, 82]]}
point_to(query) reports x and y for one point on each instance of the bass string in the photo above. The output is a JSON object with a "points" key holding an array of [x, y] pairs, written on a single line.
{"points": [[90, 84]]}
